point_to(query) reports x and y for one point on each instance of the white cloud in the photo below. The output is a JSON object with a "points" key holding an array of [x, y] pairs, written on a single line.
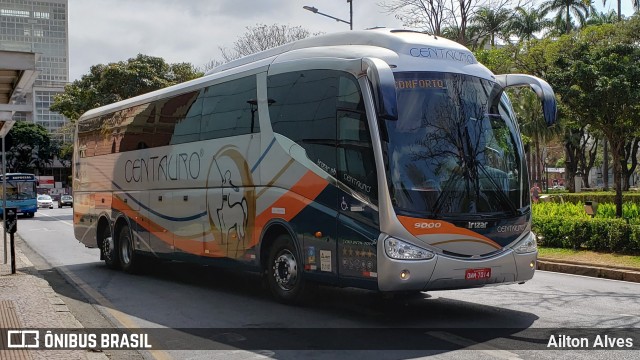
{"points": [[102, 31]]}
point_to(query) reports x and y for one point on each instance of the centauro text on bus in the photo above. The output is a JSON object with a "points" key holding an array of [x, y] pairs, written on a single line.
{"points": [[383, 159]]}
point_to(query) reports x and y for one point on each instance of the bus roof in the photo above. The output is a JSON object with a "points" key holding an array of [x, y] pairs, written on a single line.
{"points": [[403, 50]]}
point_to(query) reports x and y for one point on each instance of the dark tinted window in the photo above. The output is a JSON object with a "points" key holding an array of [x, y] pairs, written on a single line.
{"points": [[323, 111], [187, 126], [217, 111], [356, 164], [230, 109]]}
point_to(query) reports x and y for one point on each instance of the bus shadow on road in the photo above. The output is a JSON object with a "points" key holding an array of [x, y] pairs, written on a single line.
{"points": [[222, 309]]}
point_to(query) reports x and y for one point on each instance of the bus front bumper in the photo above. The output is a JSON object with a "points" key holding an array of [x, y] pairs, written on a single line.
{"points": [[445, 272], [23, 209]]}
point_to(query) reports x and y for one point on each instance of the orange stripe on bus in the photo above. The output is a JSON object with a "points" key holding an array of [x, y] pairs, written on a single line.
{"points": [[417, 227], [293, 201], [183, 243]]}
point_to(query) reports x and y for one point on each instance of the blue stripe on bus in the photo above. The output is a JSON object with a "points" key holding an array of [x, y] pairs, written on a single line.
{"points": [[263, 155]]}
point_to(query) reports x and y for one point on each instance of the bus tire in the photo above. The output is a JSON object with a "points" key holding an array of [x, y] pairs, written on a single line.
{"points": [[126, 251], [284, 271], [108, 249]]}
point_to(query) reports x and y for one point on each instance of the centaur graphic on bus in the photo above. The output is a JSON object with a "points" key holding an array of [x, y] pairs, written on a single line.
{"points": [[382, 159]]}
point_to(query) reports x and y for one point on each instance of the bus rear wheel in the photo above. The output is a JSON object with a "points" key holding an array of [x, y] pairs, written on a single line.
{"points": [[284, 271], [128, 258], [108, 249]]}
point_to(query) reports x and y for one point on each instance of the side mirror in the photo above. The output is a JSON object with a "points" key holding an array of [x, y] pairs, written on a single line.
{"points": [[384, 87], [540, 87]]}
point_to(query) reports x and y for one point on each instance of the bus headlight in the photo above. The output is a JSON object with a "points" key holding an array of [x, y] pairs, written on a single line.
{"points": [[397, 249], [528, 245]]}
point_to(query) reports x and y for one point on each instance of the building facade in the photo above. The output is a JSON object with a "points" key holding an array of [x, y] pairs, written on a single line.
{"points": [[40, 27]]}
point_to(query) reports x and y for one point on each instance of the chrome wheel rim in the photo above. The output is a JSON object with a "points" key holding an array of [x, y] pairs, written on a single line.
{"points": [[126, 250], [285, 270], [107, 247]]}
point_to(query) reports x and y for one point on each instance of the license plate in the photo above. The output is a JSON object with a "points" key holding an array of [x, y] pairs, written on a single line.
{"points": [[477, 274]]}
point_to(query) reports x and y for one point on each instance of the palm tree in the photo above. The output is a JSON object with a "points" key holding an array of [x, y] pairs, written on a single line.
{"points": [[492, 22], [635, 3], [471, 39], [600, 18], [533, 126], [526, 23], [564, 8], [558, 27]]}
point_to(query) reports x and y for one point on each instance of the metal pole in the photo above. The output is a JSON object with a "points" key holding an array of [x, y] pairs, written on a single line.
{"points": [[350, 14], [13, 253], [4, 199]]}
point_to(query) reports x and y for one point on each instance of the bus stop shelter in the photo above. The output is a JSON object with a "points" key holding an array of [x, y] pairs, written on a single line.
{"points": [[17, 75]]}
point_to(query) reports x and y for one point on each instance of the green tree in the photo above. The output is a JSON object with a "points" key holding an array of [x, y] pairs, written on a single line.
{"points": [[564, 8], [598, 77], [600, 18], [32, 149], [527, 22], [65, 154], [635, 3], [106, 84], [492, 22]]}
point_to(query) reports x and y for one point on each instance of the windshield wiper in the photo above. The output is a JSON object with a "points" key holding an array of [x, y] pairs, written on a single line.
{"points": [[501, 194], [445, 191]]}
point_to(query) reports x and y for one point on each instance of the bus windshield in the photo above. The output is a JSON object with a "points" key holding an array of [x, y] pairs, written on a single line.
{"points": [[20, 190], [455, 149]]}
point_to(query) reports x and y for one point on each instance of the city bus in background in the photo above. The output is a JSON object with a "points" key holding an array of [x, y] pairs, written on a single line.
{"points": [[21, 193], [382, 159]]}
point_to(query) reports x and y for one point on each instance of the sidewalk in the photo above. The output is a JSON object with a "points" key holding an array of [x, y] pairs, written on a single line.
{"points": [[27, 301], [599, 271]]}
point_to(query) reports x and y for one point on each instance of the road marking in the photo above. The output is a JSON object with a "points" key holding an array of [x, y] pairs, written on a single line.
{"points": [[472, 345], [42, 229], [65, 222], [123, 319]]}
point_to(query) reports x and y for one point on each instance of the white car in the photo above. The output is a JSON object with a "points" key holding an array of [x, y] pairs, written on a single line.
{"points": [[45, 201]]}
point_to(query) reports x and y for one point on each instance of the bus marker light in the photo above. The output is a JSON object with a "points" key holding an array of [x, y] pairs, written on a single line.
{"points": [[405, 274], [318, 234]]}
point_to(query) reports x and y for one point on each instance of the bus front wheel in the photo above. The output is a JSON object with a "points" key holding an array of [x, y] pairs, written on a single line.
{"points": [[284, 271], [108, 248], [128, 260]]}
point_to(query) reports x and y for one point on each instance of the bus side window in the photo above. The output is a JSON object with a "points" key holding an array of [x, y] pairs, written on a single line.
{"points": [[187, 128], [228, 109], [305, 109], [356, 163]]}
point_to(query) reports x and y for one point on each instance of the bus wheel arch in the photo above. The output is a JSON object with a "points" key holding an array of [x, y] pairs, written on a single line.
{"points": [[125, 245], [107, 244], [281, 264]]}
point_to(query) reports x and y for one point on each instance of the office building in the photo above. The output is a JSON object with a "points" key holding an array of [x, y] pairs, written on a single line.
{"points": [[39, 27]]}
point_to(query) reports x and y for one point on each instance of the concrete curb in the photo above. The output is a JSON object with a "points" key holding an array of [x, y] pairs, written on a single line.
{"points": [[599, 271]]}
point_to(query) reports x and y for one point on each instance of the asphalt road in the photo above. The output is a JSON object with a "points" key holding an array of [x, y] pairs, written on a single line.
{"points": [[187, 297]]}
